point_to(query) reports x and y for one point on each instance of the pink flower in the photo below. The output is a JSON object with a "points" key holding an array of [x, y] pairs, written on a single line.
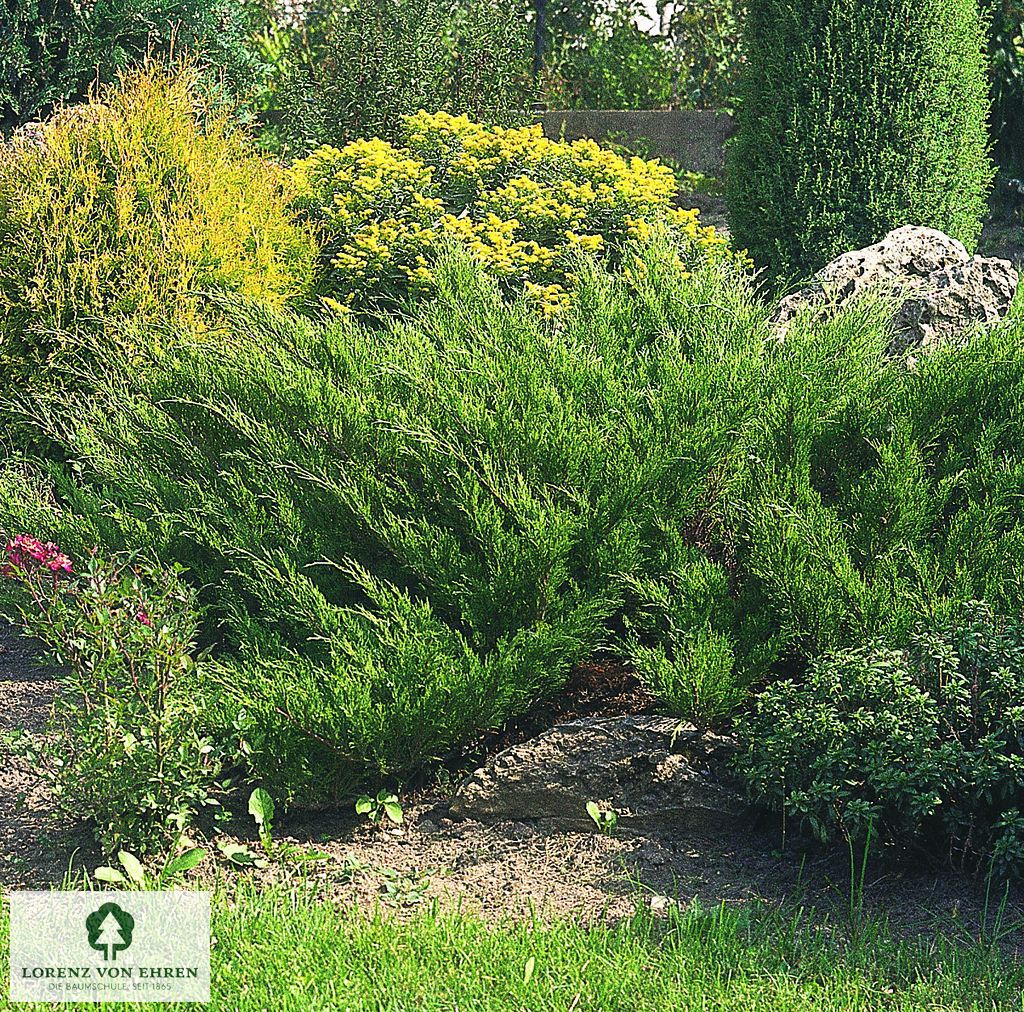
{"points": [[25, 553], [141, 616]]}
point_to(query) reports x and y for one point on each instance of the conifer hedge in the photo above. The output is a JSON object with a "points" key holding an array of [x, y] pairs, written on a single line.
{"points": [[858, 117]]}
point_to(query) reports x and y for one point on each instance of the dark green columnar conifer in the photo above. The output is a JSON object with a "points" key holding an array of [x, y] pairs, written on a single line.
{"points": [[858, 116]]}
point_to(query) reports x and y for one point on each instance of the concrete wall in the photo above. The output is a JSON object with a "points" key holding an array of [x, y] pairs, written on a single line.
{"points": [[693, 137]]}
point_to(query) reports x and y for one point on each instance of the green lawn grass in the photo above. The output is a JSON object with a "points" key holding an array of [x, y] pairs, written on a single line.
{"points": [[281, 950]]}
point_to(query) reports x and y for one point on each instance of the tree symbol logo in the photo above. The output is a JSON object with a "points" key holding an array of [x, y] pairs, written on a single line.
{"points": [[110, 930]]}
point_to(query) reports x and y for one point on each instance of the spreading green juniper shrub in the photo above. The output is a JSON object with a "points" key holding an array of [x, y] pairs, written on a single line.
{"points": [[380, 689], [924, 744], [495, 474], [878, 494], [680, 627]]}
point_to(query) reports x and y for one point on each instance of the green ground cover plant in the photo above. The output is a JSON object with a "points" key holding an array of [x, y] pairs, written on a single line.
{"points": [[919, 745], [287, 949]]}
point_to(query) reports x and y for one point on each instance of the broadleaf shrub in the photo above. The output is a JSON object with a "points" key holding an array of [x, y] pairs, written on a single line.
{"points": [[125, 747], [354, 70], [526, 207], [134, 206], [854, 120], [925, 743], [630, 56]]}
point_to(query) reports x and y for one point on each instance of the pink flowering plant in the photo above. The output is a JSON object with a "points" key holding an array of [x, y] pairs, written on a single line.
{"points": [[124, 747]]}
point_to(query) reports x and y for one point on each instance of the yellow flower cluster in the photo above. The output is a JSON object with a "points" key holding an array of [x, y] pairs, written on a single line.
{"points": [[526, 207]]}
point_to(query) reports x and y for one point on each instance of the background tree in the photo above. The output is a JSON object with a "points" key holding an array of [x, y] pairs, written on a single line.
{"points": [[52, 51]]}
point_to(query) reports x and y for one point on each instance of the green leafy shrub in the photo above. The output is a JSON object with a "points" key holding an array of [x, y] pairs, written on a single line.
{"points": [[856, 120], [706, 40], [53, 51], [132, 207], [527, 207], [853, 746], [614, 65], [124, 747], [353, 70], [626, 56], [924, 744]]}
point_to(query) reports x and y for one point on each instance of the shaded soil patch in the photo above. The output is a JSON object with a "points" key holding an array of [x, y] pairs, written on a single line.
{"points": [[1003, 237], [35, 852]]}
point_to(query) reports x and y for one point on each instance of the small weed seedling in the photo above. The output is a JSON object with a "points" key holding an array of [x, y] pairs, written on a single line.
{"points": [[135, 876], [606, 819], [385, 805], [404, 890], [240, 855], [261, 808]]}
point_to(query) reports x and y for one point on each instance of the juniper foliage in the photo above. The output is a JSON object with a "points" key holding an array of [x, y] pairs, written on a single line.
{"points": [[409, 532]]}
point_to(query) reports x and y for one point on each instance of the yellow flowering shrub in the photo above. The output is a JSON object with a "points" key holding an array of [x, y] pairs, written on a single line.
{"points": [[525, 205]]}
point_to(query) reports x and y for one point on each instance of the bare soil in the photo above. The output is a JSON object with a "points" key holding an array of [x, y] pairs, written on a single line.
{"points": [[510, 869], [29, 853]]}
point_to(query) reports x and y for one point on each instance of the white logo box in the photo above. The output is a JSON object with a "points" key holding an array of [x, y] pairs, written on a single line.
{"points": [[110, 946]]}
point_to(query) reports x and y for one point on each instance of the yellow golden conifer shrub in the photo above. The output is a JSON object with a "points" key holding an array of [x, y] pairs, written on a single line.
{"points": [[525, 205], [134, 202]]}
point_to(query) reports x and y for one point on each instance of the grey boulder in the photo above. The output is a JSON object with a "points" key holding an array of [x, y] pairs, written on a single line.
{"points": [[627, 764], [940, 292], [952, 301]]}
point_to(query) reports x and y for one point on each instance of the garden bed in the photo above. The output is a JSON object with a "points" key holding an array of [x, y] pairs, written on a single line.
{"points": [[520, 870]]}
